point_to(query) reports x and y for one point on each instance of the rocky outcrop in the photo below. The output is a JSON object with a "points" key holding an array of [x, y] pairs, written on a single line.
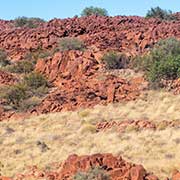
{"points": [[79, 82], [76, 76], [115, 167], [70, 65], [128, 34], [74, 94]]}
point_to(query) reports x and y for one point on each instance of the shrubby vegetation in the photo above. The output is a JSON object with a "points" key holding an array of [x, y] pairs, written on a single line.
{"points": [[71, 44], [115, 60], [27, 22], [35, 80], [3, 59], [15, 94], [35, 55], [21, 67], [162, 14], [27, 65], [26, 93], [32, 86], [92, 174], [162, 63], [88, 11]]}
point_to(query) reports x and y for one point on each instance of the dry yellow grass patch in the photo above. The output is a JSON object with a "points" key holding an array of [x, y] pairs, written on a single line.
{"points": [[52, 138], [153, 105]]}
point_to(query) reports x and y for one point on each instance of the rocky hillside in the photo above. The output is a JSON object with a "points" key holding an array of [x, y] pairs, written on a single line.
{"points": [[112, 118], [130, 34]]}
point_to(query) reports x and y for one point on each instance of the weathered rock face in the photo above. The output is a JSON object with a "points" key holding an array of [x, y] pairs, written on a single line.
{"points": [[69, 65], [74, 94], [115, 167], [78, 83], [131, 34], [76, 76]]}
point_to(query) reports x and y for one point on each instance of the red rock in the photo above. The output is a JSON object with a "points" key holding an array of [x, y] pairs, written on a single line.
{"points": [[132, 35], [137, 173], [7, 78], [176, 175], [151, 177], [116, 167], [4, 178]]}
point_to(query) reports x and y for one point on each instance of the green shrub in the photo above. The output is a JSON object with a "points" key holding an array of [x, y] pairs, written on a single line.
{"points": [[27, 93], [35, 80], [39, 92], [166, 68], [162, 62], [114, 60], [92, 174], [21, 67], [88, 11], [3, 59], [27, 22], [157, 12], [39, 53], [15, 94], [71, 44]]}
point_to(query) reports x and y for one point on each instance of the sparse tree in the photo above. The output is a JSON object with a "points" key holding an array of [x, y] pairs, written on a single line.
{"points": [[27, 22], [88, 11], [157, 12]]}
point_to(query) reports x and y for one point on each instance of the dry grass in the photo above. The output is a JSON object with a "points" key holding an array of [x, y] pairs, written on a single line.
{"points": [[156, 106], [127, 74], [48, 138]]}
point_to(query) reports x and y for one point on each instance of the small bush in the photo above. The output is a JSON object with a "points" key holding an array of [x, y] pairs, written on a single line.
{"points": [[162, 63], [21, 67], [35, 80], [39, 53], [71, 44], [157, 12], [168, 68], [88, 11], [92, 174], [15, 94], [27, 93], [3, 59], [27, 22], [114, 60]]}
